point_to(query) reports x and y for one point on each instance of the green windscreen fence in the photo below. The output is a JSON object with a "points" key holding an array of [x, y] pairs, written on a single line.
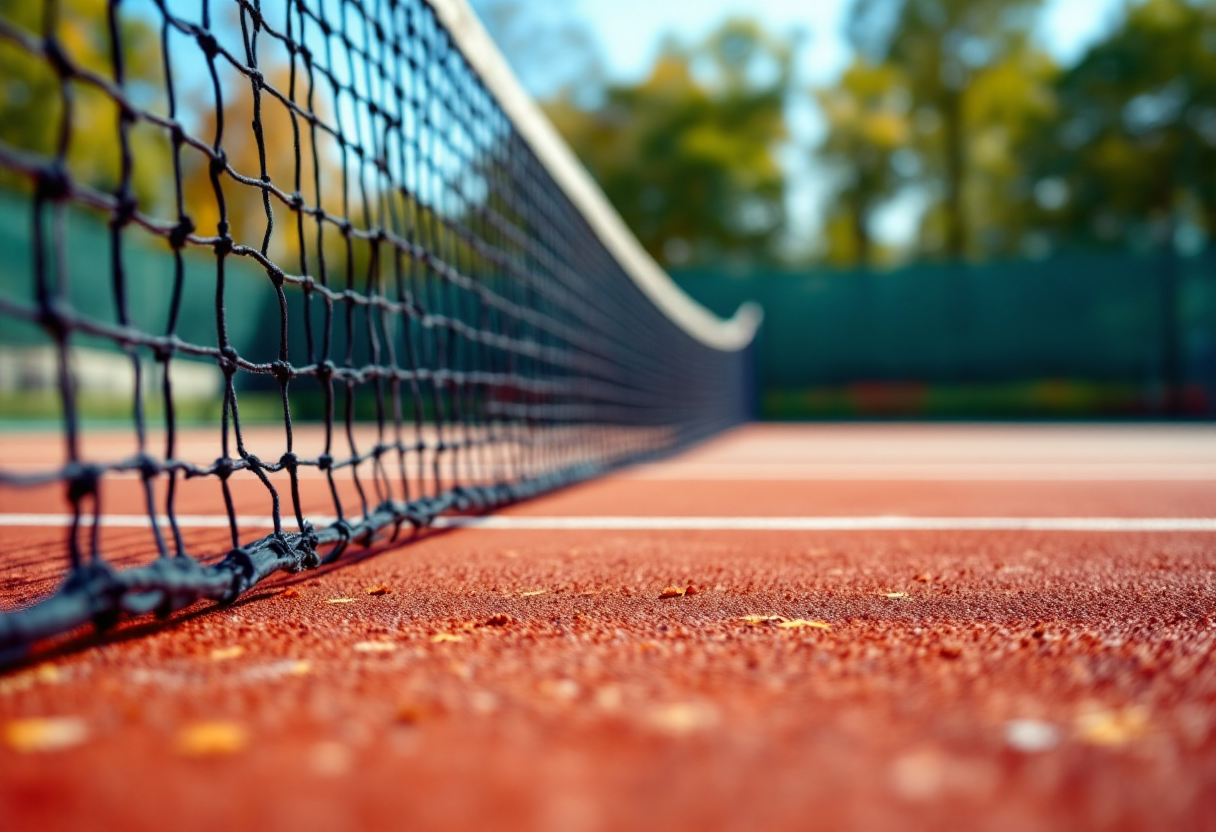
{"points": [[1077, 335], [105, 379], [87, 273], [27, 365]]}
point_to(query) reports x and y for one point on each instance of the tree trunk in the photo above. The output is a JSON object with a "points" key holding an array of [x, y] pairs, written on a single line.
{"points": [[955, 170], [861, 232], [1171, 327]]}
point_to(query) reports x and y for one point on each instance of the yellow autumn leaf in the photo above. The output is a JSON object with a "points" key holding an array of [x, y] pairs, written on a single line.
{"points": [[1112, 728], [221, 654], [802, 622], [375, 647], [759, 619], [45, 733], [211, 739], [532, 592], [682, 718], [340, 601], [47, 674], [895, 595]]}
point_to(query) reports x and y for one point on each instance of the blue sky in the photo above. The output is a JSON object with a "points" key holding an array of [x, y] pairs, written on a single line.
{"points": [[629, 32]]}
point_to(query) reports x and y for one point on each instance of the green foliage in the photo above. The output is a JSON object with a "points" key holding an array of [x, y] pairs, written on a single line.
{"points": [[1131, 154], [32, 109], [689, 155], [869, 122], [968, 68]]}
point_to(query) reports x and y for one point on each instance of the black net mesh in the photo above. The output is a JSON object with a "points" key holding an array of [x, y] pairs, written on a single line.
{"points": [[434, 313]]}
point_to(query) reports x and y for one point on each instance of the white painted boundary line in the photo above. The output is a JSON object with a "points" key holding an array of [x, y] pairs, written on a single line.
{"points": [[925, 472], [791, 524]]}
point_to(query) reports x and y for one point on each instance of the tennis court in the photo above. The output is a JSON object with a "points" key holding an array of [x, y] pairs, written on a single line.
{"points": [[880, 626], [389, 482]]}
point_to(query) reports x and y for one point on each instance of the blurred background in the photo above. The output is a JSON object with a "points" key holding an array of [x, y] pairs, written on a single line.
{"points": [[947, 208]]}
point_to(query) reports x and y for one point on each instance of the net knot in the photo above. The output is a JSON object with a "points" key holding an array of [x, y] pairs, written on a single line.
{"points": [[126, 111], [223, 244], [146, 466], [224, 466], [308, 536], [184, 228], [326, 370], [124, 210], [207, 43], [82, 480], [282, 371], [53, 183], [57, 58], [325, 462], [289, 461], [53, 321], [219, 162], [256, 77], [296, 200], [279, 546], [228, 360]]}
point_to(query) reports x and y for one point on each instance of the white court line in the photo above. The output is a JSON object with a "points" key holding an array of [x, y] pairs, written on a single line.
{"points": [[792, 524], [927, 471]]}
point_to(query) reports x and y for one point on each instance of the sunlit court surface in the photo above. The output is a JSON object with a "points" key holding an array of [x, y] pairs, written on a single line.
{"points": [[412, 417], [882, 626]]}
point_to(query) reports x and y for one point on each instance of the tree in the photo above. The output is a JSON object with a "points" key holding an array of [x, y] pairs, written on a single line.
{"points": [[689, 154], [944, 47], [290, 171], [868, 119], [1132, 154], [31, 115], [1005, 111]]}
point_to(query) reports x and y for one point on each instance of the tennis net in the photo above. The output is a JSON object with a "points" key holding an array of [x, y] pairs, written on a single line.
{"points": [[445, 293]]}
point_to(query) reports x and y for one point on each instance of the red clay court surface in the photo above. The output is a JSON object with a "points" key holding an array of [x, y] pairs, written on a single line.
{"points": [[936, 627]]}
